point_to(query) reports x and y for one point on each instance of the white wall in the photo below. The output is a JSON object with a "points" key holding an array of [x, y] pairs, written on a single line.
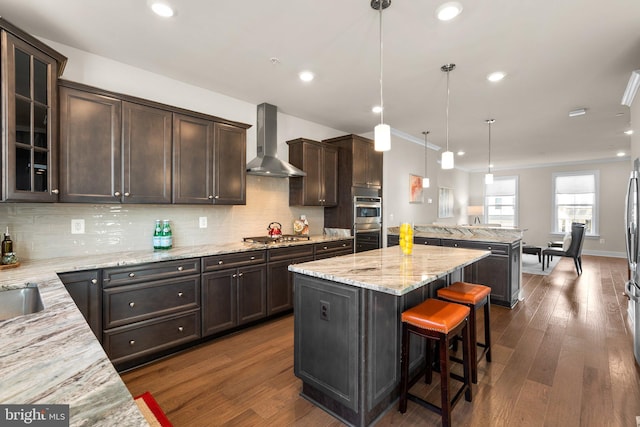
{"points": [[406, 158], [535, 204]]}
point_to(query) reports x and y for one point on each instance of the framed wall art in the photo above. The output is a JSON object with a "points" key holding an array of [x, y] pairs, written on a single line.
{"points": [[415, 189]]}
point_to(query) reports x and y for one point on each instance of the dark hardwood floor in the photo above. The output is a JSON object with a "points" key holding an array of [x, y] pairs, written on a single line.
{"points": [[562, 357]]}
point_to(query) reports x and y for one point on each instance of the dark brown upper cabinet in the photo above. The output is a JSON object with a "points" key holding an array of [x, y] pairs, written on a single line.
{"points": [[209, 162], [29, 147], [360, 164], [112, 151], [320, 162]]}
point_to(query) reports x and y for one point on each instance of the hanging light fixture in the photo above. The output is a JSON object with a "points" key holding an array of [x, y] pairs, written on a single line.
{"points": [[382, 132], [488, 178], [447, 157], [425, 180]]}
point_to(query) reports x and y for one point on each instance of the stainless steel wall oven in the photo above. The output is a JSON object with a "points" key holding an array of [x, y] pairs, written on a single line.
{"points": [[367, 227]]}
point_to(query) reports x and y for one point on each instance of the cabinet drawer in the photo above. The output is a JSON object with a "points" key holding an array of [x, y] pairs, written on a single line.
{"points": [[147, 337], [345, 246], [117, 276], [290, 252], [495, 248], [217, 262], [128, 304]]}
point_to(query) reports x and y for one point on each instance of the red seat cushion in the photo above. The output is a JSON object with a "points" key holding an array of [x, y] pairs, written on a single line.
{"points": [[465, 293], [436, 315]]}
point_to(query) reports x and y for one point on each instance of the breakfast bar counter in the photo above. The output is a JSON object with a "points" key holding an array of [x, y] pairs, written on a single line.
{"points": [[347, 323]]}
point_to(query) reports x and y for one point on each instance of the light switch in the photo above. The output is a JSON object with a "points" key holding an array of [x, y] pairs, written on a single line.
{"points": [[202, 221], [77, 226]]}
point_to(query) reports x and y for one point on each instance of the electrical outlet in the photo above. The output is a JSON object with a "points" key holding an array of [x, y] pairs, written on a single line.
{"points": [[202, 221], [77, 226], [602, 241], [325, 310]]}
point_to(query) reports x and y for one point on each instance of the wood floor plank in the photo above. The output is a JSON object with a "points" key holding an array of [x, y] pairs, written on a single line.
{"points": [[562, 357]]}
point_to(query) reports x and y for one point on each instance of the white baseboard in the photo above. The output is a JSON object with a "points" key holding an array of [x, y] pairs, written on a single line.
{"points": [[610, 254]]}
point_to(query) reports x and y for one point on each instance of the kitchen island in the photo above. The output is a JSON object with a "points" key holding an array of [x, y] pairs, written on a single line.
{"points": [[347, 323]]}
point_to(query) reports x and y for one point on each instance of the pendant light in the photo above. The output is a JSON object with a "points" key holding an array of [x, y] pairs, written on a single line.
{"points": [[425, 180], [447, 157], [488, 178], [382, 132]]}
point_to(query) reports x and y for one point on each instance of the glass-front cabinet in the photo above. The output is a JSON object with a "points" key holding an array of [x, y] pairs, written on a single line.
{"points": [[29, 115]]}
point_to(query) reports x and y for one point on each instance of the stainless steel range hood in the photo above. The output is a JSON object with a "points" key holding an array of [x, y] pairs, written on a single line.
{"points": [[267, 163]]}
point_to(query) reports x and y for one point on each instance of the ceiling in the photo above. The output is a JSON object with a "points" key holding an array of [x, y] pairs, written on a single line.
{"points": [[558, 56]]}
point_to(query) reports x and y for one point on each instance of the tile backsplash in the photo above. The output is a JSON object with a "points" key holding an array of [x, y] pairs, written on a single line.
{"points": [[43, 230]]}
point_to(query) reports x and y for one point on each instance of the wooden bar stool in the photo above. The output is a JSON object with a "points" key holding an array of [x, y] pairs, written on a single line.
{"points": [[437, 321], [473, 296]]}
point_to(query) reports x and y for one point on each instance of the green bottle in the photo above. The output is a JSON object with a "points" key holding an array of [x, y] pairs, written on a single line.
{"points": [[166, 239], [157, 235]]}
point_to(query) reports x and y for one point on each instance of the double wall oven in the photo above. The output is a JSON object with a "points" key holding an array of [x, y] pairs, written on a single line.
{"points": [[367, 227]]}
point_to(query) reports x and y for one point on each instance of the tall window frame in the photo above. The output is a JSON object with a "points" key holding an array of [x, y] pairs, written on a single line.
{"points": [[576, 196], [501, 201]]}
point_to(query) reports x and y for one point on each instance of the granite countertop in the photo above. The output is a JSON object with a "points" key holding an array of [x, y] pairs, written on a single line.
{"points": [[472, 233], [387, 270], [52, 357]]}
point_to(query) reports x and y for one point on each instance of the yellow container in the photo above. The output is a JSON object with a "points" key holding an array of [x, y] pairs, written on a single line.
{"points": [[406, 238]]}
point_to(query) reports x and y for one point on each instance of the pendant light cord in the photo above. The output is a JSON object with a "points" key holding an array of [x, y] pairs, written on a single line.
{"points": [[448, 110], [426, 166], [489, 165], [381, 63]]}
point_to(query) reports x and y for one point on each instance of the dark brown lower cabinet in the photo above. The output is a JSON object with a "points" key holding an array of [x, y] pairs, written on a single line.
{"points": [[85, 289], [280, 279], [233, 297]]}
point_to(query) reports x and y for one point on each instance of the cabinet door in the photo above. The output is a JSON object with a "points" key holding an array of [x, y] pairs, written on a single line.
{"points": [[312, 183], [230, 170], [493, 271], [374, 168], [360, 154], [29, 110], [84, 288], [280, 285], [252, 293], [330, 176], [90, 162], [146, 154], [192, 160], [219, 301]]}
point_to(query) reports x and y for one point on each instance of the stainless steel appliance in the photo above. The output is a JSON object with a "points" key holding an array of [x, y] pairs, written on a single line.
{"points": [[367, 219], [282, 238], [632, 221]]}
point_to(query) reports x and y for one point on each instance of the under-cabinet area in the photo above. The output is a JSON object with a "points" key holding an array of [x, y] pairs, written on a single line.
{"points": [[140, 312]]}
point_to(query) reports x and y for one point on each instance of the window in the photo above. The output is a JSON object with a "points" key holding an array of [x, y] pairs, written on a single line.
{"points": [[501, 201], [575, 199]]}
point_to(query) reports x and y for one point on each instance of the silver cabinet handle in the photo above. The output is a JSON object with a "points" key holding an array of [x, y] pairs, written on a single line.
{"points": [[180, 268], [126, 194], [240, 274], [132, 274], [55, 191], [210, 197], [132, 342], [234, 276], [117, 194], [344, 245], [220, 262], [252, 258], [94, 281], [489, 247], [216, 197], [324, 247], [180, 329], [132, 304], [180, 294]]}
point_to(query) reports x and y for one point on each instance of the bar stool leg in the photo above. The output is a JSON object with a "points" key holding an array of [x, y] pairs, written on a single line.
{"points": [[474, 350], [466, 348], [487, 329], [444, 381]]}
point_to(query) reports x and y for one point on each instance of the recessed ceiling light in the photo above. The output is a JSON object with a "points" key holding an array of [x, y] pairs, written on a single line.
{"points": [[461, 153], [628, 132], [578, 112], [377, 109], [449, 10], [621, 154], [162, 9], [306, 76], [496, 76]]}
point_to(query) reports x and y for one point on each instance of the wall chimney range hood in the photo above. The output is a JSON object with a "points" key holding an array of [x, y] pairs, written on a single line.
{"points": [[267, 162]]}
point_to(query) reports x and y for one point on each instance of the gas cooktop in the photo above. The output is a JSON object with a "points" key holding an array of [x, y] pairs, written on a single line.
{"points": [[278, 239]]}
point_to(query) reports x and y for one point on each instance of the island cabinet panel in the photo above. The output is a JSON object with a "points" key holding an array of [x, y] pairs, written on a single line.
{"points": [[280, 279], [347, 343], [86, 290]]}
